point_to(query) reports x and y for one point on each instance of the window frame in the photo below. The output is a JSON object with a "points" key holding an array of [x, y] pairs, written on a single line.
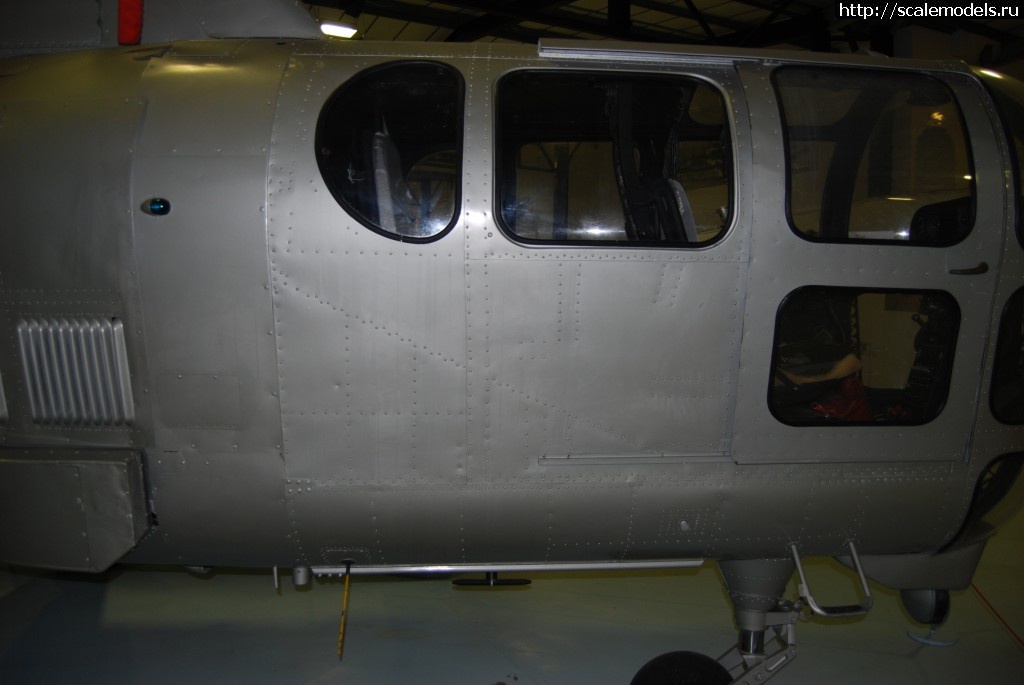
{"points": [[787, 155], [501, 160], [1001, 98], [339, 94], [857, 291]]}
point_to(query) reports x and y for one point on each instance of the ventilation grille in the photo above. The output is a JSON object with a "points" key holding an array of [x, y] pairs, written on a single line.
{"points": [[76, 371]]}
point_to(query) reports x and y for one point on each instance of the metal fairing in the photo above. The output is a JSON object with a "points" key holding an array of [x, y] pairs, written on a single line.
{"points": [[216, 460], [79, 275], [308, 392], [79, 510]]}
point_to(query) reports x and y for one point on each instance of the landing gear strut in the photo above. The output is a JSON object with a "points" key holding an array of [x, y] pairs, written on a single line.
{"points": [[755, 588]]}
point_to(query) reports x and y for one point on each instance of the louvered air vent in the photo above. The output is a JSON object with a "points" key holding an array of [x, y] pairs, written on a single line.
{"points": [[76, 371]]}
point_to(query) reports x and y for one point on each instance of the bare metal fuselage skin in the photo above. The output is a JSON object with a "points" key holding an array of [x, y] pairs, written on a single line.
{"points": [[299, 390]]}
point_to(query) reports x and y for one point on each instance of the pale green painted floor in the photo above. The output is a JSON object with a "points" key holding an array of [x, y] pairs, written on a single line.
{"points": [[161, 626]]}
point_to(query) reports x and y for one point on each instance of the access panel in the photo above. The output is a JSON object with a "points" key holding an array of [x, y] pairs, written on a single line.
{"points": [[72, 510]]}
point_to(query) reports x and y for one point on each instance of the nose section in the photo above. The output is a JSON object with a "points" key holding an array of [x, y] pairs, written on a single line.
{"points": [[998, 496]]}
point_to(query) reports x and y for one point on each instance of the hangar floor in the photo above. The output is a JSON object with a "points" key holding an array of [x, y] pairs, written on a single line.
{"points": [[165, 626]]}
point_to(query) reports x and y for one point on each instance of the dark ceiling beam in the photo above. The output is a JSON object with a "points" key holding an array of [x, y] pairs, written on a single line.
{"points": [[620, 19], [404, 11], [353, 7], [810, 32], [566, 20], [774, 7], [522, 34], [677, 11], [772, 16], [794, 22], [490, 19], [499, 16], [705, 27], [502, 19]]}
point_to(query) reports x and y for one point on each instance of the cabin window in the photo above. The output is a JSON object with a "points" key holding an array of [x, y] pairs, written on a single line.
{"points": [[1007, 394], [874, 156], [598, 158], [387, 144], [856, 356]]}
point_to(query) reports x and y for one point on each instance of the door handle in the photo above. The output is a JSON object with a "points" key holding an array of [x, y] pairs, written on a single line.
{"points": [[972, 271]]}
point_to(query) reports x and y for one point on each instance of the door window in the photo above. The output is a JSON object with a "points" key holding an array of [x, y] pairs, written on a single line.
{"points": [[613, 158], [853, 355], [874, 156], [388, 147]]}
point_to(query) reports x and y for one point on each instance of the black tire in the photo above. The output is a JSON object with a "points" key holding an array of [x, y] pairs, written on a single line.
{"points": [[682, 668], [930, 607]]}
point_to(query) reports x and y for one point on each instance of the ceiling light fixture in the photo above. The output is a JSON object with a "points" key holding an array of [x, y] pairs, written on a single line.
{"points": [[338, 30]]}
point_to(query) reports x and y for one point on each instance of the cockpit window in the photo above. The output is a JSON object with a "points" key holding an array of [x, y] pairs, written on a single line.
{"points": [[613, 158], [387, 144], [874, 156], [858, 356]]}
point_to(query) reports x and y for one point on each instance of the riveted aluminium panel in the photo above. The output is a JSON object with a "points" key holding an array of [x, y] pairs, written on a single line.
{"points": [[215, 470], [371, 352], [370, 331], [605, 356], [203, 265]]}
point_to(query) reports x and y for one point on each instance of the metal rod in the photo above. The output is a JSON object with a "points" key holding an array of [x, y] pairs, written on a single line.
{"points": [[344, 610], [510, 568]]}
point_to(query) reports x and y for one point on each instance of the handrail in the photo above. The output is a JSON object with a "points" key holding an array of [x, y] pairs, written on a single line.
{"points": [[842, 611]]}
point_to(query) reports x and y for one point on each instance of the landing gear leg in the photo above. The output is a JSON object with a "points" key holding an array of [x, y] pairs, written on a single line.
{"points": [[751, 657], [756, 589]]}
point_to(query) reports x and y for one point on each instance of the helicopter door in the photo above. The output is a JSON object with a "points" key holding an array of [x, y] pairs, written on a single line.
{"points": [[877, 228]]}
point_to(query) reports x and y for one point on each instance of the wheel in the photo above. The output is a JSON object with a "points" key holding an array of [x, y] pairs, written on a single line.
{"points": [[926, 606], [930, 607], [682, 668]]}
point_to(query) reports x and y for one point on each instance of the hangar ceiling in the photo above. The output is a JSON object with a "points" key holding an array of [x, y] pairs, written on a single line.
{"points": [[806, 24]]}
